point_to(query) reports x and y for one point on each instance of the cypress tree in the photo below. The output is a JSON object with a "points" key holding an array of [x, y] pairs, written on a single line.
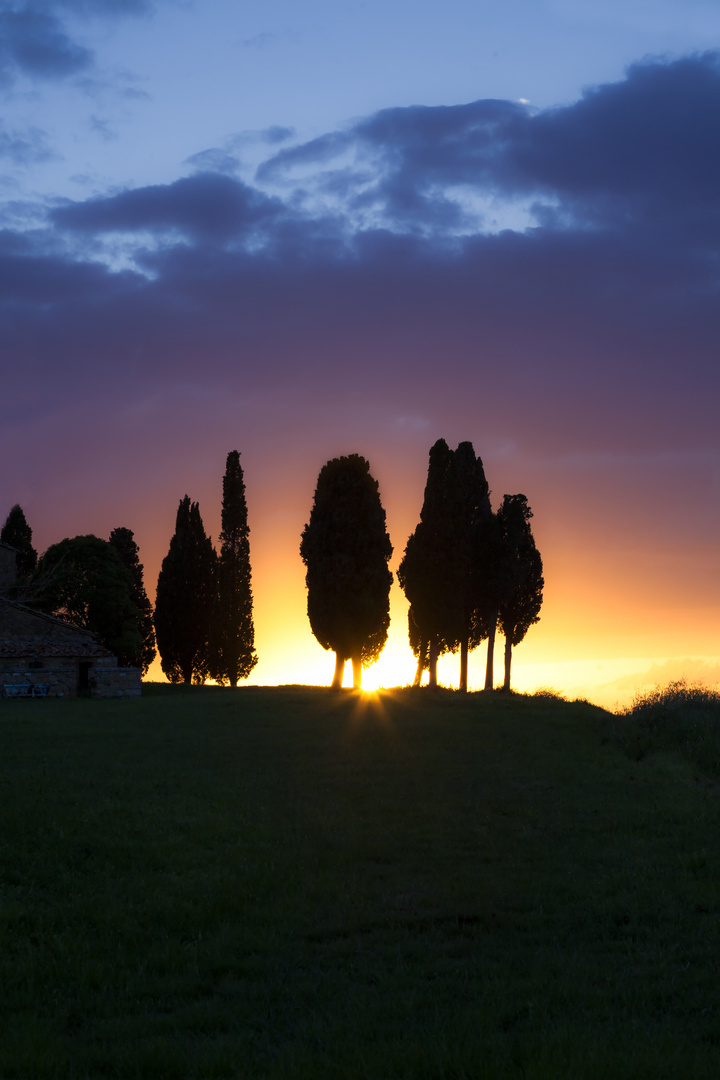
{"points": [[471, 514], [429, 573], [17, 533], [419, 646], [489, 586], [346, 549], [185, 598], [522, 571], [124, 543], [232, 638]]}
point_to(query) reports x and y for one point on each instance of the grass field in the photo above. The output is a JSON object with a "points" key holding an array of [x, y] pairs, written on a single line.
{"points": [[287, 883]]}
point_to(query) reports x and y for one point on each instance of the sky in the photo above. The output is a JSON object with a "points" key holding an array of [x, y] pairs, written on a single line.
{"points": [[308, 229]]}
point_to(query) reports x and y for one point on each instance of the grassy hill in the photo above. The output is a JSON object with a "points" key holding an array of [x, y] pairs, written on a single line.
{"points": [[288, 883]]}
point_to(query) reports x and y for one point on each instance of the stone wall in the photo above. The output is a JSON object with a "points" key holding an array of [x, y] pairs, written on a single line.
{"points": [[104, 681], [61, 682], [115, 682]]}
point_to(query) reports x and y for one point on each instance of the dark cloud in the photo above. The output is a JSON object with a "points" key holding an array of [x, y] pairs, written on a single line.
{"points": [[206, 205], [277, 134], [25, 148], [626, 150], [214, 160], [34, 43], [599, 325]]}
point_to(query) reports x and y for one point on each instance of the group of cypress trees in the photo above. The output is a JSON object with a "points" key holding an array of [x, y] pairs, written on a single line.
{"points": [[203, 608], [466, 571]]}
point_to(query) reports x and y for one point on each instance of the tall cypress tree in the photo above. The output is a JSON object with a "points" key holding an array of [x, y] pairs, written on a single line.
{"points": [[232, 637], [429, 573], [18, 534], [522, 572], [185, 598], [346, 549], [124, 543], [471, 513]]}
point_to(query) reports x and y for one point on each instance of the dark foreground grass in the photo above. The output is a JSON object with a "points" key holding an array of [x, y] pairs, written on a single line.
{"points": [[293, 884]]}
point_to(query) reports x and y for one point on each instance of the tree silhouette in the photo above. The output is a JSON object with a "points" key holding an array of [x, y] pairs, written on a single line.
{"points": [[523, 576], [124, 543], [346, 549], [471, 517], [439, 571], [185, 598], [489, 586], [232, 635], [427, 572], [419, 645], [84, 581], [17, 533]]}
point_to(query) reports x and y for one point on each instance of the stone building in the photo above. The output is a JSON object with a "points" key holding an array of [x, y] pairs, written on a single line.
{"points": [[42, 655]]}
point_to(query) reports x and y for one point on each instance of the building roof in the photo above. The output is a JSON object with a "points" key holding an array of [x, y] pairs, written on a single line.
{"points": [[25, 632], [39, 647]]}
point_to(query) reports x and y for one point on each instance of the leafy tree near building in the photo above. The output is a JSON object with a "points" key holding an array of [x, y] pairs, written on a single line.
{"points": [[17, 533], [84, 581], [522, 571], [185, 599], [123, 541], [232, 635], [346, 549]]}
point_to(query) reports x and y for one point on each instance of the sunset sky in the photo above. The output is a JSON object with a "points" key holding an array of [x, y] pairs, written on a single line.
{"points": [[315, 228]]}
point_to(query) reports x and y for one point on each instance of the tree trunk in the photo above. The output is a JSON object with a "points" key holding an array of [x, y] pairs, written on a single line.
{"points": [[420, 667], [432, 664], [463, 664], [490, 667], [357, 673], [508, 658], [336, 684]]}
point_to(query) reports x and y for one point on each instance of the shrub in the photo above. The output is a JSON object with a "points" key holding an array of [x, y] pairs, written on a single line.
{"points": [[681, 716]]}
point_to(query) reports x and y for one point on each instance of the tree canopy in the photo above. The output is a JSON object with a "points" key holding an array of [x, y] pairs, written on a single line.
{"points": [[346, 549], [185, 598], [123, 541], [83, 580], [438, 572], [232, 636], [522, 572]]}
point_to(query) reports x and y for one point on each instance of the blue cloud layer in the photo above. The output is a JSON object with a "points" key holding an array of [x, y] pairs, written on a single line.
{"points": [[601, 318]]}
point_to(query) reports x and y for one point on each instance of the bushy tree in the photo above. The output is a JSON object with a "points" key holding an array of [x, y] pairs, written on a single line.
{"points": [[489, 586], [420, 647], [84, 581], [18, 534], [427, 572], [522, 571], [232, 636], [439, 568], [185, 598], [123, 541], [471, 520], [346, 549]]}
